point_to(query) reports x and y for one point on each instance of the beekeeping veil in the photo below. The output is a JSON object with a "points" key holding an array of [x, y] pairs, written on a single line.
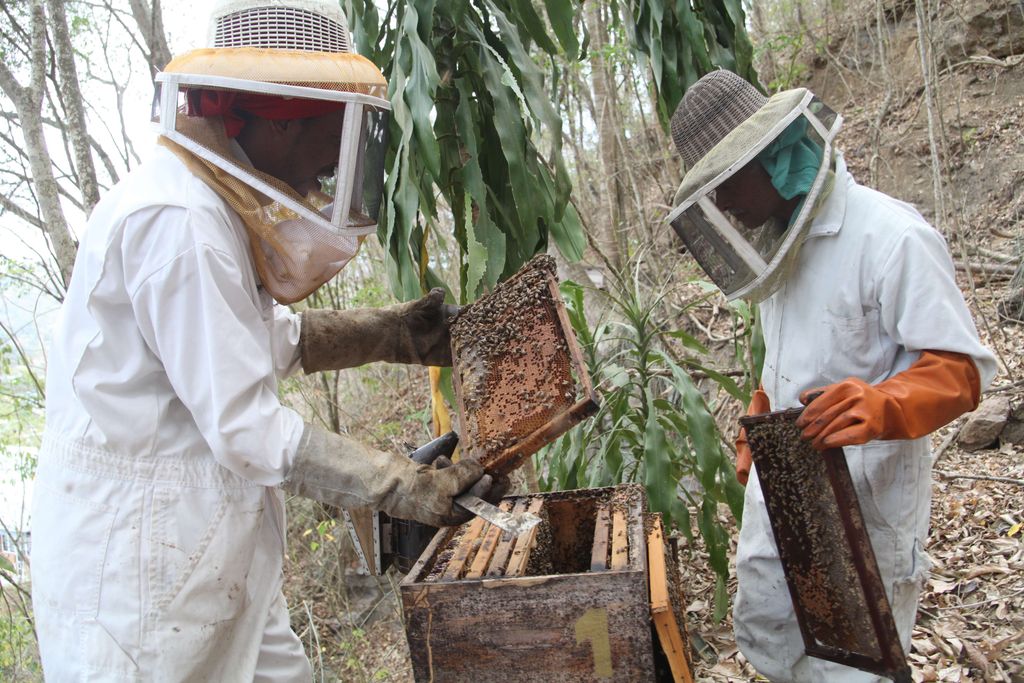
{"points": [[723, 124], [281, 59]]}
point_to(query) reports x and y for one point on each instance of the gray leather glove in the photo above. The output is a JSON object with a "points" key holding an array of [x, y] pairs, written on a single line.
{"points": [[340, 471], [490, 489], [413, 332]]}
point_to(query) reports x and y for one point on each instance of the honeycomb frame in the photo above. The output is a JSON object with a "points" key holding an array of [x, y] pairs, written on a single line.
{"points": [[518, 372], [827, 558]]}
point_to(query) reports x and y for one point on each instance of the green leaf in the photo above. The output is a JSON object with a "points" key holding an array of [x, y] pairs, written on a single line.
{"points": [[612, 462], [684, 521], [658, 480], [724, 381], [561, 14], [534, 25], [721, 599], [488, 234], [734, 492], [568, 234], [447, 389], [422, 83], [6, 565], [476, 256], [715, 538], [688, 340], [702, 428], [757, 347]]}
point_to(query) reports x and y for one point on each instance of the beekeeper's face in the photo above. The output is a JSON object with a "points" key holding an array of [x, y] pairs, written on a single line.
{"points": [[749, 196], [298, 152], [308, 151]]}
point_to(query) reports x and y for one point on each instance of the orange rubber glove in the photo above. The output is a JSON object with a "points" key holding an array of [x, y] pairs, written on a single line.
{"points": [[759, 403], [932, 392]]}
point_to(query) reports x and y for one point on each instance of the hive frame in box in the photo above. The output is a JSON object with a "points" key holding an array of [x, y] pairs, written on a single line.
{"points": [[473, 612], [510, 457], [800, 545]]}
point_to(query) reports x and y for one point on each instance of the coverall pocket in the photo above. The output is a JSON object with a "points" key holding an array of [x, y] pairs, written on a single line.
{"points": [[71, 536], [201, 550], [879, 477], [852, 348]]}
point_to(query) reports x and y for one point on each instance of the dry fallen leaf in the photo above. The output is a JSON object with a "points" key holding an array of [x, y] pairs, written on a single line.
{"points": [[977, 658], [975, 572]]}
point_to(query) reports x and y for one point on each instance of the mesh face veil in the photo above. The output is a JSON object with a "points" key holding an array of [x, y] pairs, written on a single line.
{"points": [[293, 54], [790, 135]]}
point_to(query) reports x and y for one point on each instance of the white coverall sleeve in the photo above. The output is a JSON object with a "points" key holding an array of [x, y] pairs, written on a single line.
{"points": [[287, 325], [197, 316], [921, 305]]}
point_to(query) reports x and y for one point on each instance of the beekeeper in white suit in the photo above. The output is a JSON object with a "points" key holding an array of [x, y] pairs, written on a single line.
{"points": [[858, 301], [158, 528]]}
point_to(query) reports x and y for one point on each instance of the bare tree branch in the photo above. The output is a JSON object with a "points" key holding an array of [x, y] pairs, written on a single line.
{"points": [[72, 92], [28, 103], [149, 19], [97, 148], [8, 204], [25, 360]]}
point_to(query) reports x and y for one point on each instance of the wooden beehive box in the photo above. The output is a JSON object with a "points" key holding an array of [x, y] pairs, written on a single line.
{"points": [[567, 601]]}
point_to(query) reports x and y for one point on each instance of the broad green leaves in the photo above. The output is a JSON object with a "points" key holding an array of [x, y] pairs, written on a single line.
{"points": [[654, 425], [473, 116], [685, 40], [474, 132]]}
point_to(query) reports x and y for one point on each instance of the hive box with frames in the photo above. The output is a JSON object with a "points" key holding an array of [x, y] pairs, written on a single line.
{"points": [[577, 598]]}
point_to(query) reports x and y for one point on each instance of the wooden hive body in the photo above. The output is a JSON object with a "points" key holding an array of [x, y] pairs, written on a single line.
{"points": [[568, 601]]}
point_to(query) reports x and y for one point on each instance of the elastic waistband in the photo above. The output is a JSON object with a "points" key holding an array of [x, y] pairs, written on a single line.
{"points": [[197, 471]]}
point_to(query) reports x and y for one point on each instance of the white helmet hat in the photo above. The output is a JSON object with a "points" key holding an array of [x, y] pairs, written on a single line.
{"points": [[298, 51], [723, 124]]}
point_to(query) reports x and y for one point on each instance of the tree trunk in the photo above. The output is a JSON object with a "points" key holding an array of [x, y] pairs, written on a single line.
{"points": [[72, 100], [150, 21], [603, 84], [28, 101]]}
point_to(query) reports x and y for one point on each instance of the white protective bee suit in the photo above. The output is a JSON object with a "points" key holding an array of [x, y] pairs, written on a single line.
{"points": [[164, 442], [158, 530], [859, 301], [872, 287]]}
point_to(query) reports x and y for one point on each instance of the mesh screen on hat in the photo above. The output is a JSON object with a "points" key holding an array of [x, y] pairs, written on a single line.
{"points": [[712, 108], [293, 256], [284, 25], [752, 262]]}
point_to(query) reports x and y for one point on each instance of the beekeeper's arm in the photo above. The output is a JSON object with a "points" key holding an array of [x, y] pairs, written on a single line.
{"points": [[923, 310], [210, 336], [413, 332]]}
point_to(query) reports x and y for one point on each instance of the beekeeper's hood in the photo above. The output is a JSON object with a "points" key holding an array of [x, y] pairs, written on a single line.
{"points": [[722, 124], [282, 60]]}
